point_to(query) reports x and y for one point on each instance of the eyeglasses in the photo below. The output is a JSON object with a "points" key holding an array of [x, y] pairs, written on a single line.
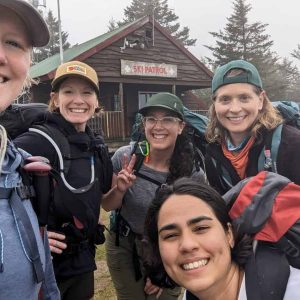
{"points": [[166, 122]]}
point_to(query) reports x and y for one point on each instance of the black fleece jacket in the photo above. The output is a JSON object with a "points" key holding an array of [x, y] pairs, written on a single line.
{"points": [[288, 159]]}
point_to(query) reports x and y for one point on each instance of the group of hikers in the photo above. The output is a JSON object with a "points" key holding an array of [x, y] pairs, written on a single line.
{"points": [[228, 230]]}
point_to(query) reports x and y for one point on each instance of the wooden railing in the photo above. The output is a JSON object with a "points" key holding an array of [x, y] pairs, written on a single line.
{"points": [[108, 123]]}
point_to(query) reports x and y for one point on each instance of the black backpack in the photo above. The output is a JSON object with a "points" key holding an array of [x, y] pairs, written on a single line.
{"points": [[290, 113], [20, 118]]}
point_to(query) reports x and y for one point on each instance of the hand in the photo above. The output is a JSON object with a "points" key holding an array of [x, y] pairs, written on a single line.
{"points": [[151, 289], [125, 177], [56, 246]]}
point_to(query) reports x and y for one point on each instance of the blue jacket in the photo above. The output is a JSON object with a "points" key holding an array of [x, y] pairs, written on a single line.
{"points": [[17, 277]]}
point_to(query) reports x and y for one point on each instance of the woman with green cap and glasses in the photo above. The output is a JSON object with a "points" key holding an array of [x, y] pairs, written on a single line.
{"points": [[25, 263], [170, 156], [243, 125]]}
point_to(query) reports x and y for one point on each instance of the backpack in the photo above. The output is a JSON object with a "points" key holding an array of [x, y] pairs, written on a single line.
{"points": [[289, 110], [267, 208], [196, 125], [19, 118]]}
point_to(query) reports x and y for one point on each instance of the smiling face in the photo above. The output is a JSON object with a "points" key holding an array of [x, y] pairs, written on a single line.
{"points": [[76, 100], [162, 136], [237, 107], [15, 50], [194, 247]]}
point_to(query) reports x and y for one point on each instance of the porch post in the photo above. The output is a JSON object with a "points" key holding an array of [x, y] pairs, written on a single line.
{"points": [[174, 89], [121, 97]]}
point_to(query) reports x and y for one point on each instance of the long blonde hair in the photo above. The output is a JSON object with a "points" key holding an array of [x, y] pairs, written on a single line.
{"points": [[269, 118]]}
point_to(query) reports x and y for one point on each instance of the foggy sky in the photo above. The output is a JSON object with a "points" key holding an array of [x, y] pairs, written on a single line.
{"points": [[86, 19]]}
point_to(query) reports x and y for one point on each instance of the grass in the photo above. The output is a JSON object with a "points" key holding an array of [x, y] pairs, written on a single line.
{"points": [[104, 289]]}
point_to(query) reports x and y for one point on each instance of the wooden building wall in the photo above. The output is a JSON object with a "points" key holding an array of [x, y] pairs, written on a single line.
{"points": [[107, 62]]}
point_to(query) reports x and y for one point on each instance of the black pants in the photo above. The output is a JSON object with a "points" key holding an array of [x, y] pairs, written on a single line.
{"points": [[79, 287]]}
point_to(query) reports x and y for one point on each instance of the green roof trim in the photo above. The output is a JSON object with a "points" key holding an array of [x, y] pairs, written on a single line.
{"points": [[51, 63]]}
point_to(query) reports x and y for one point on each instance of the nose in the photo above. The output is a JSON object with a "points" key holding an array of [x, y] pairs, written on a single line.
{"points": [[235, 106], [78, 99], [188, 242]]}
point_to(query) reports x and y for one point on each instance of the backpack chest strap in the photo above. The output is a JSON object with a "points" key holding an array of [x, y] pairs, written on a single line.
{"points": [[268, 157], [24, 192]]}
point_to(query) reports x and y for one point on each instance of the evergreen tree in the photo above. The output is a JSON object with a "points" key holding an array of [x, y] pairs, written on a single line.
{"points": [[162, 14], [112, 24], [296, 52], [53, 45], [241, 39]]}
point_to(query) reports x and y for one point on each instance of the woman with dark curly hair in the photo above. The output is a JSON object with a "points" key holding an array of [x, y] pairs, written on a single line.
{"points": [[190, 241], [170, 156]]}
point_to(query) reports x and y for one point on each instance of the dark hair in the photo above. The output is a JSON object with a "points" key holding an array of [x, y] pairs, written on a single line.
{"points": [[182, 160], [184, 186]]}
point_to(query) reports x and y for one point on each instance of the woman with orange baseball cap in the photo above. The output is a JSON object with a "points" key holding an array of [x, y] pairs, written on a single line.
{"points": [[85, 175]]}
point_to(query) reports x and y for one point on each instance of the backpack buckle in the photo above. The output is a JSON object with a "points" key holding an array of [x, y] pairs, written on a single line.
{"points": [[25, 192], [268, 159], [125, 230]]}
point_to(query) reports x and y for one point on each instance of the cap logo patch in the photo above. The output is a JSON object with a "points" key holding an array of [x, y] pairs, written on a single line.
{"points": [[175, 105], [76, 68]]}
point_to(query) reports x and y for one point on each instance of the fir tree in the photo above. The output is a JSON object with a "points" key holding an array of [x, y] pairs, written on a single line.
{"points": [[53, 45], [241, 39], [162, 14], [296, 52], [112, 25]]}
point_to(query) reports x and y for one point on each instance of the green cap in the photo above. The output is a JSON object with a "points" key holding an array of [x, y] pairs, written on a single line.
{"points": [[164, 100], [220, 79]]}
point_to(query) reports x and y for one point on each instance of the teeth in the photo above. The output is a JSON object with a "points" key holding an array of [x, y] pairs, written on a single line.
{"points": [[235, 118], [159, 136], [77, 110], [195, 265]]}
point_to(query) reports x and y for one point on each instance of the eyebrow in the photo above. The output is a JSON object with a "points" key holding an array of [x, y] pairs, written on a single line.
{"points": [[190, 222]]}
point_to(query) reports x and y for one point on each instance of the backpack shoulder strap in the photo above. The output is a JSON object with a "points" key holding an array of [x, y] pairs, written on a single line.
{"points": [[61, 145], [225, 179], [268, 157]]}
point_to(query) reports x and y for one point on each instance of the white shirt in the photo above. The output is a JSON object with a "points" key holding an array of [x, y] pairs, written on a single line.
{"points": [[292, 289]]}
